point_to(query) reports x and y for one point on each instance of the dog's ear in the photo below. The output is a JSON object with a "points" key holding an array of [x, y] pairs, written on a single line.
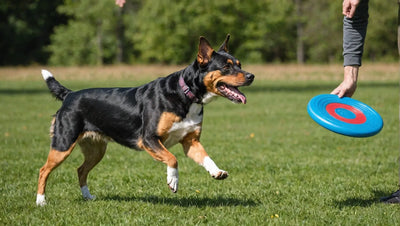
{"points": [[205, 52], [224, 46]]}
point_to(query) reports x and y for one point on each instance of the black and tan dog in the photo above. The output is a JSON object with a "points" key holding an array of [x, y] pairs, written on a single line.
{"points": [[151, 117]]}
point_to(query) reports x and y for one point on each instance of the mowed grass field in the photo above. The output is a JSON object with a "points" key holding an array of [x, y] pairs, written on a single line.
{"points": [[284, 169]]}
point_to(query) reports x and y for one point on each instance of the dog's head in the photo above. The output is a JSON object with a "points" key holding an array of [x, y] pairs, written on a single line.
{"points": [[223, 73]]}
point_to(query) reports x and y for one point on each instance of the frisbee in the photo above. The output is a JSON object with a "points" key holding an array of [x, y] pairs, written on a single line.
{"points": [[344, 116]]}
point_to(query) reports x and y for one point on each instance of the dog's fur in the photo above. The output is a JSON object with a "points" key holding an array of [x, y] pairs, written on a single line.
{"points": [[151, 117]]}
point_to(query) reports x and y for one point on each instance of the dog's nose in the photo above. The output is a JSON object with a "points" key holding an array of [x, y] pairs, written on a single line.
{"points": [[249, 77]]}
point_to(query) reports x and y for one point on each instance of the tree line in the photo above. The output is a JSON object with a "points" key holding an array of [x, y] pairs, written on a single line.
{"points": [[97, 32]]}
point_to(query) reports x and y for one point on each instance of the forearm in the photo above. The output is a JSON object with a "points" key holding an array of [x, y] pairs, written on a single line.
{"points": [[354, 32]]}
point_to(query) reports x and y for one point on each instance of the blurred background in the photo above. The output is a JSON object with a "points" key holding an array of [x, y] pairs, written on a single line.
{"points": [[97, 32]]}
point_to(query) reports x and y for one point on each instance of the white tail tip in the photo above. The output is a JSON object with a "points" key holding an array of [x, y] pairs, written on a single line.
{"points": [[46, 74]]}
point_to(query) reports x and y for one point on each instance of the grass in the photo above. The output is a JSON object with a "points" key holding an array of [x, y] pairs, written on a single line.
{"points": [[284, 168]]}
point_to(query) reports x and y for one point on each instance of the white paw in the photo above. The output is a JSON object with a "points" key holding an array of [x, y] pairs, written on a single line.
{"points": [[172, 179], [86, 194], [40, 200], [213, 169], [220, 175]]}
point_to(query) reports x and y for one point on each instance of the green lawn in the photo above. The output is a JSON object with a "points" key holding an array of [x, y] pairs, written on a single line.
{"points": [[284, 168]]}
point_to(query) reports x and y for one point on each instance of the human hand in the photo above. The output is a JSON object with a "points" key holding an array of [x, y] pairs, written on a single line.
{"points": [[120, 3], [349, 7], [349, 84]]}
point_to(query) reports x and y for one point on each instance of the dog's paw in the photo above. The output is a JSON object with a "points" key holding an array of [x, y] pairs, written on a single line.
{"points": [[213, 169], [89, 197], [220, 175], [86, 194], [172, 179], [173, 185], [40, 200]]}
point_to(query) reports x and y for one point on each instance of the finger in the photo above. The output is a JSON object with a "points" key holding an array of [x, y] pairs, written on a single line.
{"points": [[352, 11], [346, 7], [341, 93], [334, 92]]}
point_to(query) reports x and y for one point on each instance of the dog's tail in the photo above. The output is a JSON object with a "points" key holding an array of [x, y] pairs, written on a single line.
{"points": [[58, 90]]}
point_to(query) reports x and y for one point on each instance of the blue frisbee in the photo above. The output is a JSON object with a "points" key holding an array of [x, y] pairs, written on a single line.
{"points": [[345, 115]]}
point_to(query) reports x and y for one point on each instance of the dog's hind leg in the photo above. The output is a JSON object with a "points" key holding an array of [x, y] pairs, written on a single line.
{"points": [[93, 149], [194, 150], [54, 159]]}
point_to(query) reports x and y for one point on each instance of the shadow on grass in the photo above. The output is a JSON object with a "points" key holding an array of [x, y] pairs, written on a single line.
{"points": [[361, 202], [186, 201], [31, 91]]}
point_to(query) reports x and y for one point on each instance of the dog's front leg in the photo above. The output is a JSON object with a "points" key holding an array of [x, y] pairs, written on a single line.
{"points": [[160, 153], [194, 150]]}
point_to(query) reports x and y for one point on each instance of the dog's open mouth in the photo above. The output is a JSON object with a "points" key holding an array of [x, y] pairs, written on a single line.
{"points": [[232, 93]]}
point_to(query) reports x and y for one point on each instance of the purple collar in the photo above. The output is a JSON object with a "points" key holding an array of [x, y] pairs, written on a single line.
{"points": [[186, 89]]}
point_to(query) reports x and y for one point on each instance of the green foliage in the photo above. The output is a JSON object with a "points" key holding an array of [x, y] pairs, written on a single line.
{"points": [[381, 40], [73, 45], [169, 34], [323, 30], [98, 32], [25, 28], [89, 37]]}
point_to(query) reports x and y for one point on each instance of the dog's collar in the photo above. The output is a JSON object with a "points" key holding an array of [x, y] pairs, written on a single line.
{"points": [[186, 89]]}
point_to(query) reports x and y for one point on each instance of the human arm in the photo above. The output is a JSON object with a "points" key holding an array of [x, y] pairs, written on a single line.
{"points": [[354, 32], [349, 84]]}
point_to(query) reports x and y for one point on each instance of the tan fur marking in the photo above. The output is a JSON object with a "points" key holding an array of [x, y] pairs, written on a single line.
{"points": [[54, 159], [234, 80], [140, 143], [211, 80], [229, 61], [167, 119], [193, 148], [96, 137], [162, 155], [93, 146]]}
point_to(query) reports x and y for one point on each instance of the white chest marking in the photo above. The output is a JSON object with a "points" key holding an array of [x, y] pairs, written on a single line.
{"points": [[208, 97], [189, 124]]}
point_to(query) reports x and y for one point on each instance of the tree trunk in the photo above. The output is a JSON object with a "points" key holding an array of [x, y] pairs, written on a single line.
{"points": [[120, 37], [299, 27], [99, 43]]}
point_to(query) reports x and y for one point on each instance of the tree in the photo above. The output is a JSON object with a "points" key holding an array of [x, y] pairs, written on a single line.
{"points": [[25, 27], [98, 32], [323, 31], [167, 31], [91, 35], [381, 39], [300, 35]]}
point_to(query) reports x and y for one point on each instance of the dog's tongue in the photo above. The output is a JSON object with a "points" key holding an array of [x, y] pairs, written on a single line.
{"points": [[233, 94], [238, 95]]}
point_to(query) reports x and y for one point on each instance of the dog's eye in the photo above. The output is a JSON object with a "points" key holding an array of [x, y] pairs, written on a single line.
{"points": [[227, 66]]}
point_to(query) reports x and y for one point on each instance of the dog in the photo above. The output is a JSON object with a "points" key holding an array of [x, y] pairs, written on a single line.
{"points": [[151, 117]]}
